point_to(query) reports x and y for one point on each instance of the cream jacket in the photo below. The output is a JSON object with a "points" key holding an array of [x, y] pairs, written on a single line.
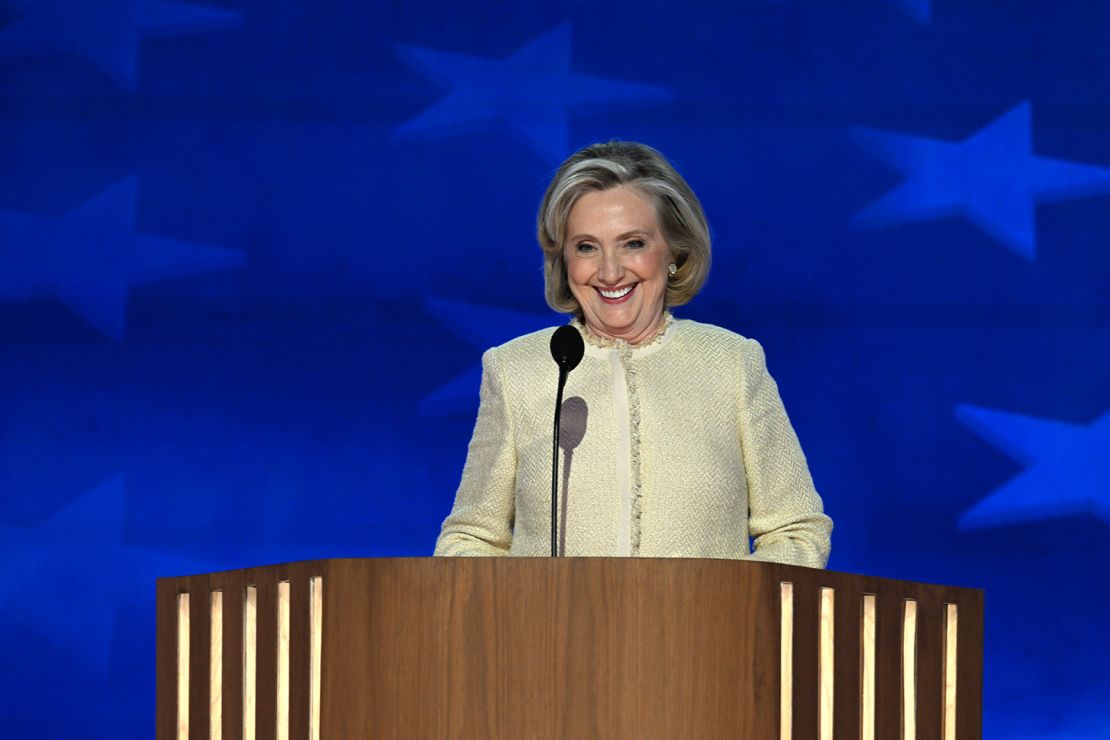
{"points": [[680, 448]]}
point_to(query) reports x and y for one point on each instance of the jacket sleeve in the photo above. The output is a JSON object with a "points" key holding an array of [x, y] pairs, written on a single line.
{"points": [[785, 514], [481, 522]]}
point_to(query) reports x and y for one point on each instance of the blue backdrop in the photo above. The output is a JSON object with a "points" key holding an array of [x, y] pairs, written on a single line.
{"points": [[222, 222]]}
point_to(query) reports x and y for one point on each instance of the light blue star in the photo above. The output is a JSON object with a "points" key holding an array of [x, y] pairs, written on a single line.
{"points": [[530, 92], [481, 327], [920, 10], [106, 32], [992, 178], [90, 257], [1067, 468], [66, 577]]}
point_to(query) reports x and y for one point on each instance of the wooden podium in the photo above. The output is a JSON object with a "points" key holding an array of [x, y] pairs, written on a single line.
{"points": [[559, 649]]}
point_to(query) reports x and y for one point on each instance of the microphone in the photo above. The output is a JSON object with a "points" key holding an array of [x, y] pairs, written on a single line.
{"points": [[567, 349]]}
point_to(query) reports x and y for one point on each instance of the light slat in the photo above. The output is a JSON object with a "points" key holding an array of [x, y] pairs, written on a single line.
{"points": [[282, 705], [250, 661], [909, 670], [183, 666], [786, 661], [215, 666], [867, 669], [826, 650], [951, 626], [316, 644]]}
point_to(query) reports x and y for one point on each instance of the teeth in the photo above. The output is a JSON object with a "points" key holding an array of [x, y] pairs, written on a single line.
{"points": [[612, 294]]}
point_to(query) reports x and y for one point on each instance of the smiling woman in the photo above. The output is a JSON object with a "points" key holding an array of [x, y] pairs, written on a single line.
{"points": [[679, 445]]}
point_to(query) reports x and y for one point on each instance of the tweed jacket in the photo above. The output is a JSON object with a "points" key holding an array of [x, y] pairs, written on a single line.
{"points": [[677, 448]]}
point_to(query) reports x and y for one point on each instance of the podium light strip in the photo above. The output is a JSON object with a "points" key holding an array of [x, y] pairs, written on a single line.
{"points": [[909, 670], [215, 666], [867, 669], [316, 643], [786, 661], [950, 628], [250, 660], [183, 666], [825, 666], [283, 662]]}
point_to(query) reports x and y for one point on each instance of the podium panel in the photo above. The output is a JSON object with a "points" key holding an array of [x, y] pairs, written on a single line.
{"points": [[489, 648]]}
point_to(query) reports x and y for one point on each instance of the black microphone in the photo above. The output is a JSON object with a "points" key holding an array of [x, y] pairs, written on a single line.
{"points": [[567, 349]]}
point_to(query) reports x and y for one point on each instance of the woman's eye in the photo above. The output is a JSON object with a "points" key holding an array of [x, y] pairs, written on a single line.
{"points": [[585, 247], [636, 244]]}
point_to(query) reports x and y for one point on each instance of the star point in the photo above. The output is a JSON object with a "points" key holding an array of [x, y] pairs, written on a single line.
{"points": [[73, 571], [919, 10], [107, 33], [1067, 468], [992, 178], [481, 327], [530, 92], [90, 257]]}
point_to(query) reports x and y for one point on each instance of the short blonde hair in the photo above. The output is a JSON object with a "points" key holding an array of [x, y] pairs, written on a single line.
{"points": [[609, 165]]}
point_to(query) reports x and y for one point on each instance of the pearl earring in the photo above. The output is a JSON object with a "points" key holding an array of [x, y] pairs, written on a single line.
{"points": [[672, 269]]}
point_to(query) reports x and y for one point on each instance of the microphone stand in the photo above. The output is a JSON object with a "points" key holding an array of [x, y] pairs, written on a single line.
{"points": [[567, 349], [555, 465]]}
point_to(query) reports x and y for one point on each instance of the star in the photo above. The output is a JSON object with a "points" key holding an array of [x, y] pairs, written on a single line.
{"points": [[67, 576], [105, 32], [529, 92], [90, 257], [481, 327], [1067, 468], [992, 178], [919, 10]]}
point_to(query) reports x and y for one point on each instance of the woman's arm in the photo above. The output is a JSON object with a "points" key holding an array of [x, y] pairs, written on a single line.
{"points": [[481, 522], [786, 516]]}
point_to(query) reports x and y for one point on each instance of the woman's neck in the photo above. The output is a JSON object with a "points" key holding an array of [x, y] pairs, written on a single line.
{"points": [[633, 338]]}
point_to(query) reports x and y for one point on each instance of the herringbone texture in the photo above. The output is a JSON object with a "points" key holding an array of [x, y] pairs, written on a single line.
{"points": [[714, 460]]}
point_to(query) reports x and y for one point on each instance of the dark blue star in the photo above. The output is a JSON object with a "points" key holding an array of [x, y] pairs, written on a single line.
{"points": [[1067, 467], [992, 178], [920, 10], [90, 257], [481, 327], [106, 32], [530, 92], [67, 576]]}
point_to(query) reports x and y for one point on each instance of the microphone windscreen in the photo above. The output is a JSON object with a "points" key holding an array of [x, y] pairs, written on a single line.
{"points": [[567, 347]]}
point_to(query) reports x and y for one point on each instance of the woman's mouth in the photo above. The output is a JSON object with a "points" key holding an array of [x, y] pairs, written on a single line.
{"points": [[616, 295]]}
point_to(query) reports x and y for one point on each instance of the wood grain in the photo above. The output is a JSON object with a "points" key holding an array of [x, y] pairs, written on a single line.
{"points": [[266, 727], [298, 655], [199, 638], [806, 633], [969, 691], [849, 614], [888, 664], [930, 664], [489, 648], [165, 600], [232, 584]]}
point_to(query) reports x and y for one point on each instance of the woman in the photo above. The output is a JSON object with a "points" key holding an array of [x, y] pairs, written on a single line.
{"points": [[675, 442]]}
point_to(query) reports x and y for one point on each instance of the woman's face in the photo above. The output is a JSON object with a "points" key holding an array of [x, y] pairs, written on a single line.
{"points": [[617, 263]]}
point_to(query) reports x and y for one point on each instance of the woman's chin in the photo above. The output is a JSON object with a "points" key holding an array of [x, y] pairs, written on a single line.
{"points": [[617, 325]]}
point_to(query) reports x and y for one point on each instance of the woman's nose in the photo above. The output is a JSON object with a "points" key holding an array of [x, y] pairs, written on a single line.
{"points": [[611, 268]]}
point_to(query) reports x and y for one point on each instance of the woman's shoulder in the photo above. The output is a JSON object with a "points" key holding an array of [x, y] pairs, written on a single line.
{"points": [[527, 348], [710, 336], [721, 350]]}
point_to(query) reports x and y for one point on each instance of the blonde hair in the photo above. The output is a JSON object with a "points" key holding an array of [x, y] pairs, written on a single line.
{"points": [[609, 165]]}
